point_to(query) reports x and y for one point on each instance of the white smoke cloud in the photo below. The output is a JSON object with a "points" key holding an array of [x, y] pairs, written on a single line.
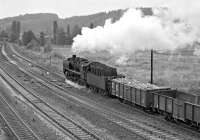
{"points": [[184, 9], [170, 28], [123, 60]]}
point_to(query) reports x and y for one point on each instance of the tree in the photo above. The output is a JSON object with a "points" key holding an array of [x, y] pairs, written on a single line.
{"points": [[68, 39], [15, 31], [76, 31], [55, 30], [13, 36], [42, 39], [91, 25], [18, 29], [68, 29], [61, 37], [3, 35], [47, 47], [113, 20], [33, 44], [27, 37]]}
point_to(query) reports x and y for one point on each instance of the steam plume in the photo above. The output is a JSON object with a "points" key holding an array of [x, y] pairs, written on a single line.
{"points": [[169, 28]]}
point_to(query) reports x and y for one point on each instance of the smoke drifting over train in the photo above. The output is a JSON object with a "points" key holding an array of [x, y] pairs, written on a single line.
{"points": [[168, 28]]}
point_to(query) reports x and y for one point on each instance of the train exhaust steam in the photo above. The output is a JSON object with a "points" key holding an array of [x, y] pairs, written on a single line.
{"points": [[168, 29]]}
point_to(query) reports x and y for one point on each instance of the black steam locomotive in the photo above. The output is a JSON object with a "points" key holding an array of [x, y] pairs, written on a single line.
{"points": [[175, 105], [94, 75]]}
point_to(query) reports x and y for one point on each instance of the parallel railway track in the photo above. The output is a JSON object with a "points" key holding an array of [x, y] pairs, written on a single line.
{"points": [[59, 74], [71, 127], [133, 124], [129, 122], [18, 127]]}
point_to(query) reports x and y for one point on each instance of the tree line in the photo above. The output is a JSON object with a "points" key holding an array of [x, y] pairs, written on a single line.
{"points": [[59, 37]]}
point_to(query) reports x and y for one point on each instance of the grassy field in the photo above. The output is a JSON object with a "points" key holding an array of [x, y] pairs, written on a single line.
{"points": [[176, 71]]}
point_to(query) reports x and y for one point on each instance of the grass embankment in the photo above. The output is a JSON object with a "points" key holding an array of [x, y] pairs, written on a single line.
{"points": [[51, 59], [181, 72]]}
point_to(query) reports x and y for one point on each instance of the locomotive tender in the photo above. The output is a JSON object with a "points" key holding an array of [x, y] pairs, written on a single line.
{"points": [[175, 105]]}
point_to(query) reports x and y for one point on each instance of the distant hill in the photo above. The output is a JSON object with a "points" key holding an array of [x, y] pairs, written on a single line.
{"points": [[44, 21], [35, 22]]}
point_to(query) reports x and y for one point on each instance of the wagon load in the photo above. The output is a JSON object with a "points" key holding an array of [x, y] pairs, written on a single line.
{"points": [[102, 69], [136, 92], [187, 107], [188, 97]]}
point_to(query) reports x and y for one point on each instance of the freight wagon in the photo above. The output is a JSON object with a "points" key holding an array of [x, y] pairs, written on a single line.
{"points": [[179, 107], [174, 104], [137, 93], [188, 97], [171, 107], [192, 114]]}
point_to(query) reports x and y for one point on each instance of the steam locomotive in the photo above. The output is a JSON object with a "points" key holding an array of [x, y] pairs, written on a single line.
{"points": [[173, 104], [94, 75]]}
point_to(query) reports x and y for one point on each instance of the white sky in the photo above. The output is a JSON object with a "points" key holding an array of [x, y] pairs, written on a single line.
{"points": [[66, 8]]}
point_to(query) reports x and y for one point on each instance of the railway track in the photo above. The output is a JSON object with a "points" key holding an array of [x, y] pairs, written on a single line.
{"points": [[67, 124], [160, 132], [62, 87], [59, 74], [133, 124], [15, 123]]}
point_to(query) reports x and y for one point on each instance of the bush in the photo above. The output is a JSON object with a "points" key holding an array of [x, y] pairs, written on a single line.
{"points": [[33, 45], [47, 48], [58, 55], [27, 37]]}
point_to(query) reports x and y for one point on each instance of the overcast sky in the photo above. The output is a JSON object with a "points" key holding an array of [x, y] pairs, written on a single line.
{"points": [[65, 8]]}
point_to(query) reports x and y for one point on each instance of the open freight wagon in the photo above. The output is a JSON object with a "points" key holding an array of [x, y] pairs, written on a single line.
{"points": [[192, 113], [183, 106], [138, 93], [174, 104]]}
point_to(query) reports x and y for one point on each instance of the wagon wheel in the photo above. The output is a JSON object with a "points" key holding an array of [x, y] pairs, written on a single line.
{"points": [[104, 93], [198, 128], [121, 100], [167, 118]]}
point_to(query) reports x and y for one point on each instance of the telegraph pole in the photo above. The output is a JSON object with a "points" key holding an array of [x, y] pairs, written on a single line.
{"points": [[50, 60], [151, 66]]}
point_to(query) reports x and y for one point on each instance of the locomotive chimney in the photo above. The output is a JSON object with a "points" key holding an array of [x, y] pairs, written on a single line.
{"points": [[73, 56]]}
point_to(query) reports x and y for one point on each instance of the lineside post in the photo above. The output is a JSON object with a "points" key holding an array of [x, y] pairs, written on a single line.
{"points": [[151, 66], [50, 60]]}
